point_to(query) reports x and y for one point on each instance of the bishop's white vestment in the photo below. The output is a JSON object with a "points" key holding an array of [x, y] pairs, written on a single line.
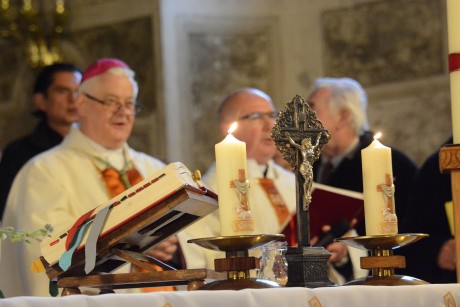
{"points": [[55, 187]]}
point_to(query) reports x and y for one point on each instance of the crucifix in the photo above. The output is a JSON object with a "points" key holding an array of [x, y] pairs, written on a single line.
{"points": [[300, 137]]}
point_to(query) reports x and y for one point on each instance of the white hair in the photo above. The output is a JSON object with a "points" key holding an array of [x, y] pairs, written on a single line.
{"points": [[119, 71], [348, 94]]}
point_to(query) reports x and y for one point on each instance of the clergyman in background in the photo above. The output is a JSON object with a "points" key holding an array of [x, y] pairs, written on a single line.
{"points": [[271, 196]]}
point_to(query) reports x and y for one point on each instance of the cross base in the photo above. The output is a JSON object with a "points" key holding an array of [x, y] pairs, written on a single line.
{"points": [[307, 267]]}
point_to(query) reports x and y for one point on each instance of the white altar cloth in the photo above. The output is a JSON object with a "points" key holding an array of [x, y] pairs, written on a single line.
{"points": [[423, 295]]}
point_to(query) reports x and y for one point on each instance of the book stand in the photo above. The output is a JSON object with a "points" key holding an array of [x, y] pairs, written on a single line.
{"points": [[128, 243], [449, 162]]}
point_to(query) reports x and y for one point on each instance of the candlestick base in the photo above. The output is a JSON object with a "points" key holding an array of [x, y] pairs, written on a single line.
{"points": [[237, 262], [382, 262]]}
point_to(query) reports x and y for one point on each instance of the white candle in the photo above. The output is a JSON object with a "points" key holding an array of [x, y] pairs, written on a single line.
{"points": [[453, 35], [379, 205], [232, 186], [453, 24]]}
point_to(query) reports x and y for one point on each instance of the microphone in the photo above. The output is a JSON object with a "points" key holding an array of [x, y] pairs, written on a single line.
{"points": [[338, 229]]}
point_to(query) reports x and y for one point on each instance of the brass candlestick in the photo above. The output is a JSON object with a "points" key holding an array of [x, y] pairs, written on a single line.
{"points": [[237, 263], [382, 262]]}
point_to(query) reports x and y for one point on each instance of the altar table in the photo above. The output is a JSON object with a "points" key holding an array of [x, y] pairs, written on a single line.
{"points": [[390, 296]]}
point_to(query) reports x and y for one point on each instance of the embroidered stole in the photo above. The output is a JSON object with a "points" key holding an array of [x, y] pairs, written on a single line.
{"points": [[281, 210], [118, 181]]}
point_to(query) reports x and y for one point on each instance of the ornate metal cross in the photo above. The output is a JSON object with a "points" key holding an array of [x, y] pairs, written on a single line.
{"points": [[300, 137]]}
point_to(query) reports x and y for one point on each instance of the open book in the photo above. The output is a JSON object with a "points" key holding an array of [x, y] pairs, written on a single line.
{"points": [[330, 205], [135, 220]]}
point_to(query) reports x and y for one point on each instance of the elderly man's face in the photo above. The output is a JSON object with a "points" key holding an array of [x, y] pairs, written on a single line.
{"points": [[255, 120], [318, 101], [107, 126]]}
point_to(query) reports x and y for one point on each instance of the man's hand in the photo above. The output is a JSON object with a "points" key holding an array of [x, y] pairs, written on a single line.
{"points": [[165, 250], [338, 250], [446, 257]]}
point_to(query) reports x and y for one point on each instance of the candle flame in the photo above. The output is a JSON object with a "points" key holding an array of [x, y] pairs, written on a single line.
{"points": [[233, 127], [378, 135]]}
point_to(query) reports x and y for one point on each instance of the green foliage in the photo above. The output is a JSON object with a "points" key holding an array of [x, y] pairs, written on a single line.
{"points": [[24, 235]]}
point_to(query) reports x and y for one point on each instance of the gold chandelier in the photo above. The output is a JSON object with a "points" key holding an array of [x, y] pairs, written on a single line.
{"points": [[28, 24]]}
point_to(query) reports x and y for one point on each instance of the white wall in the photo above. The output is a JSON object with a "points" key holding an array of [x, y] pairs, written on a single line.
{"points": [[414, 115]]}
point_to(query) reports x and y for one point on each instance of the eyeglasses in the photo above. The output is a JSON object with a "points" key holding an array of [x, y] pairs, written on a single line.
{"points": [[61, 90], [259, 115], [115, 105]]}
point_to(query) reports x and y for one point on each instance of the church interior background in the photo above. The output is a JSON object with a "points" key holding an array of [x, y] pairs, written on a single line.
{"points": [[188, 54]]}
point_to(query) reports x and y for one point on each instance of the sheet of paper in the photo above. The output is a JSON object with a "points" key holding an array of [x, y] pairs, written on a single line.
{"points": [[449, 206]]}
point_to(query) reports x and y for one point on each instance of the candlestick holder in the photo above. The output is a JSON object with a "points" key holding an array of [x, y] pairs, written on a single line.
{"points": [[237, 262], [382, 262]]}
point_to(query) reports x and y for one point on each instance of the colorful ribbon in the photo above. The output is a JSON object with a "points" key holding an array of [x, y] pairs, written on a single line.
{"points": [[71, 233], [66, 259], [91, 242]]}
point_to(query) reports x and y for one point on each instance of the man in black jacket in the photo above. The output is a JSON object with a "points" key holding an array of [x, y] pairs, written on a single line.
{"points": [[54, 99], [341, 105], [431, 259]]}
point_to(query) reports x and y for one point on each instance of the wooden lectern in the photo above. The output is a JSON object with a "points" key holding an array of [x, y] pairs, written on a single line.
{"points": [[159, 217]]}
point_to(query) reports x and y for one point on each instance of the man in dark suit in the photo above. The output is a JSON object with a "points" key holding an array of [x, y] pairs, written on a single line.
{"points": [[54, 99], [341, 106], [431, 259]]}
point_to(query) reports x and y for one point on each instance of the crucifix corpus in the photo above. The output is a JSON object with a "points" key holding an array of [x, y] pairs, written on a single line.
{"points": [[300, 137]]}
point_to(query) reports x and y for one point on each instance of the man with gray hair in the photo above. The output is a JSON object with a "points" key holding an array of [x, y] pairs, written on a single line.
{"points": [[341, 105], [60, 185]]}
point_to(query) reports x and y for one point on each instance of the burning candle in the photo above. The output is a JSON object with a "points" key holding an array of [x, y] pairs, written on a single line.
{"points": [[233, 186], [379, 202]]}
